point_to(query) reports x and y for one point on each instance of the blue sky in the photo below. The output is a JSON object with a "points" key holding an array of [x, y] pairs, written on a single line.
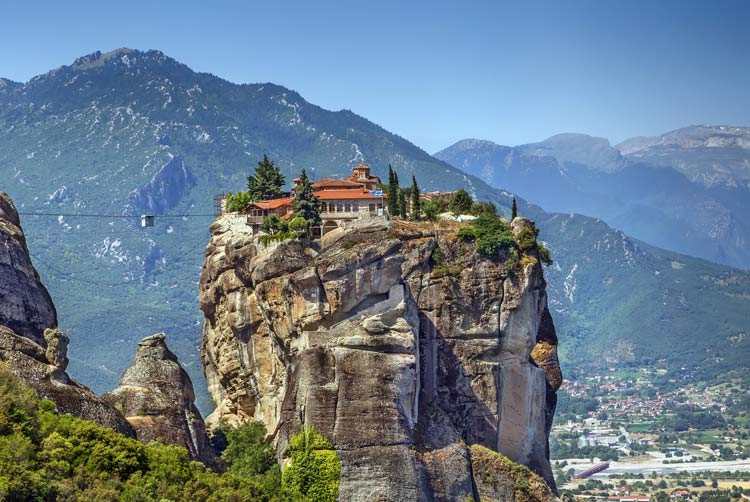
{"points": [[435, 72]]}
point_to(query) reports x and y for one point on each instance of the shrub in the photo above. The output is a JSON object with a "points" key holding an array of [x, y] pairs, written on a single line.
{"points": [[461, 202], [314, 467], [247, 453], [238, 201], [544, 254], [430, 210], [298, 224], [271, 223]]}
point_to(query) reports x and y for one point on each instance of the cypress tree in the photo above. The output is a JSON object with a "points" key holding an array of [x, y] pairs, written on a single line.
{"points": [[392, 192], [305, 204], [514, 210], [416, 205], [402, 203]]}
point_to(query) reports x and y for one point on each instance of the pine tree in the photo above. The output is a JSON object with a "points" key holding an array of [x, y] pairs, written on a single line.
{"points": [[514, 210], [392, 192], [267, 181], [416, 205], [305, 204]]}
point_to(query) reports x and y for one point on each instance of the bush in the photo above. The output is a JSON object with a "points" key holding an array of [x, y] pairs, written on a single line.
{"points": [[238, 201], [247, 453], [544, 254], [430, 210], [314, 467], [298, 224], [47, 456], [461, 202]]}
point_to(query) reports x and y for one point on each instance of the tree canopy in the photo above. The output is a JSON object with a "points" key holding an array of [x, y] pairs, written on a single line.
{"points": [[266, 182], [305, 204]]}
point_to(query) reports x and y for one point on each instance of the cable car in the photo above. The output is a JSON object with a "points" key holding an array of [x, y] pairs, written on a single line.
{"points": [[147, 220]]}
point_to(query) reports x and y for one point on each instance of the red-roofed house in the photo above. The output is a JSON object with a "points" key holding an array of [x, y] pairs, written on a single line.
{"points": [[340, 201]]}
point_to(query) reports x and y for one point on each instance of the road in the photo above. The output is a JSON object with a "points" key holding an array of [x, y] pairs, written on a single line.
{"points": [[656, 466]]}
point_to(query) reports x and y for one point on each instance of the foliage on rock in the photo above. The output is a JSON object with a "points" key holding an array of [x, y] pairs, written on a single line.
{"points": [[48, 456], [492, 470], [314, 467]]}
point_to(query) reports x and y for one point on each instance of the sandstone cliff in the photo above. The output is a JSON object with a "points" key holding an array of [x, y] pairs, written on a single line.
{"points": [[30, 342], [156, 396], [401, 345]]}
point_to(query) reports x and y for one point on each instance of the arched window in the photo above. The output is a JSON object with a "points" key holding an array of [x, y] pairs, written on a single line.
{"points": [[340, 207], [348, 207], [355, 206]]}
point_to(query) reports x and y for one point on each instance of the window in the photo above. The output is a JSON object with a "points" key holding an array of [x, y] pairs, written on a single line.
{"points": [[348, 207], [355, 206], [340, 207], [372, 208]]}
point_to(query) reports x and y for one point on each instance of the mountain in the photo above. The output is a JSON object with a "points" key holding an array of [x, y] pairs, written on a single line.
{"points": [[119, 134], [714, 156], [685, 191]]}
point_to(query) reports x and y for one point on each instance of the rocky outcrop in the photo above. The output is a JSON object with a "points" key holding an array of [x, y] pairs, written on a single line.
{"points": [[156, 396], [165, 190], [44, 369], [25, 305], [30, 342], [400, 345]]}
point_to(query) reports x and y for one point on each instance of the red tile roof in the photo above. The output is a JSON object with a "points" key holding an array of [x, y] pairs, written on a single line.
{"points": [[345, 194], [272, 204]]}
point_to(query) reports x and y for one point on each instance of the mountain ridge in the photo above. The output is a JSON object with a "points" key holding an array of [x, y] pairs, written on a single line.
{"points": [[81, 141]]}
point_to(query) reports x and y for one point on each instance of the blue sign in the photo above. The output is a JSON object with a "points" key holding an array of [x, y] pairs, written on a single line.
{"points": [[376, 193]]}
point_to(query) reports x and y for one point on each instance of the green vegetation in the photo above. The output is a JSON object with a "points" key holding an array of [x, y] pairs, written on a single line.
{"points": [[492, 468], [492, 235], [416, 209], [45, 456], [392, 192], [314, 467], [238, 201], [461, 202], [266, 182], [305, 204]]}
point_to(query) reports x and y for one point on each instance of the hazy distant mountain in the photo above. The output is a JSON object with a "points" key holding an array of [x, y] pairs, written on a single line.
{"points": [[127, 132], [683, 191], [715, 156]]}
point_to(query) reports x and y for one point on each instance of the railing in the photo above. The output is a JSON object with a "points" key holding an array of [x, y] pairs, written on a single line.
{"points": [[254, 220]]}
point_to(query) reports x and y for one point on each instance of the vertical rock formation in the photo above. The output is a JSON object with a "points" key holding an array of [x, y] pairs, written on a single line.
{"points": [[25, 306], [30, 342], [399, 345], [156, 396]]}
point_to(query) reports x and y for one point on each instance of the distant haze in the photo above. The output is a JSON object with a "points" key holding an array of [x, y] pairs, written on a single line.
{"points": [[436, 72]]}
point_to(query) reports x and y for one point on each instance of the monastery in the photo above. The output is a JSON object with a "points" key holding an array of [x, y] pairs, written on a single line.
{"points": [[341, 201]]}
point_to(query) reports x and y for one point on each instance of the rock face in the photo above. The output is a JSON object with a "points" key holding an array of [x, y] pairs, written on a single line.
{"points": [[156, 396], [25, 305], [30, 342], [399, 345]]}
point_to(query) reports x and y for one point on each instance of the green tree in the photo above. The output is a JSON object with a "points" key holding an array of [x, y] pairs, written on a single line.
{"points": [[402, 203], [305, 204], [461, 202], [238, 201], [247, 453], [416, 209], [392, 192], [271, 224], [514, 209], [267, 181], [314, 468], [430, 210]]}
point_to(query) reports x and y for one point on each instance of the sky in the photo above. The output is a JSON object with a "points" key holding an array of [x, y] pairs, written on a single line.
{"points": [[434, 72]]}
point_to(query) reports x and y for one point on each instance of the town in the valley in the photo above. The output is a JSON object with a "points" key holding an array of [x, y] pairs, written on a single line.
{"points": [[643, 434]]}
